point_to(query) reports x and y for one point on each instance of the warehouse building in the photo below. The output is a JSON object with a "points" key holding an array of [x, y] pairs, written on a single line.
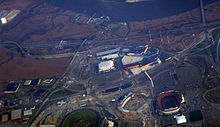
{"points": [[12, 87], [110, 56], [16, 114], [106, 66], [27, 82], [5, 118], [108, 52]]}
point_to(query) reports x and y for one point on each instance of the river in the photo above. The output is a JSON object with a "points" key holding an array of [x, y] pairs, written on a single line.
{"points": [[129, 11]]}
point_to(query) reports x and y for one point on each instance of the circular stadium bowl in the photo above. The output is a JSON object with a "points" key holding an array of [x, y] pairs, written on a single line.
{"points": [[169, 102]]}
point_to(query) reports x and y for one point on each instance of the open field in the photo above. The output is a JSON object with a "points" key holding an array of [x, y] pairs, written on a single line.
{"points": [[61, 93], [81, 118], [25, 68], [43, 22], [213, 96]]}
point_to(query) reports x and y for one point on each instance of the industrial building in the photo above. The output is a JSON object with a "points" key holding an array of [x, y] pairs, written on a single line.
{"points": [[35, 82], [106, 66], [15, 114], [5, 118], [6, 16], [27, 82], [108, 52], [12, 87], [27, 112], [110, 56]]}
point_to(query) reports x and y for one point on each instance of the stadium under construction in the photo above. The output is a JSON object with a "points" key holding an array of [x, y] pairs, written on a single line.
{"points": [[134, 59]]}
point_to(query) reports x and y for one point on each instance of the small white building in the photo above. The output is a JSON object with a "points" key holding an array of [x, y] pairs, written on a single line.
{"points": [[28, 112], [180, 119], [3, 20], [106, 66], [27, 82], [110, 123]]}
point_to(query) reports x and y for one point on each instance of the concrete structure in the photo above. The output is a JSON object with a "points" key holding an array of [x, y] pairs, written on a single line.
{"points": [[110, 56], [133, 1], [130, 59], [16, 114], [6, 15], [5, 118], [48, 80], [12, 87], [27, 112], [47, 125], [60, 103], [108, 52], [106, 66], [27, 82], [180, 119], [12, 14], [136, 71], [3, 20], [35, 82], [110, 123]]}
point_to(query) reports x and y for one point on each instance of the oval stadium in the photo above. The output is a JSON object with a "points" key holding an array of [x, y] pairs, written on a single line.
{"points": [[169, 102]]}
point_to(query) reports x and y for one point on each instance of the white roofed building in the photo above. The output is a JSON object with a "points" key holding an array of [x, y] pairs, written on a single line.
{"points": [[180, 119], [27, 82], [3, 20], [106, 66]]}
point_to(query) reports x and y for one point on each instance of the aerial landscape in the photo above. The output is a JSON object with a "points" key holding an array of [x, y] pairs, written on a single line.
{"points": [[109, 63]]}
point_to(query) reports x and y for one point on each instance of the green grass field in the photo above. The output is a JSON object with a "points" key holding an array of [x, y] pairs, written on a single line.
{"points": [[81, 118], [61, 93]]}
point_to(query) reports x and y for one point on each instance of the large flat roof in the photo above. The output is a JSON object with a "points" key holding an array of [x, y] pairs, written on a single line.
{"points": [[106, 65], [16, 114]]}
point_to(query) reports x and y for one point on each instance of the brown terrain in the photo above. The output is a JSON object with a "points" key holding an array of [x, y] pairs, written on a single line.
{"points": [[17, 68], [39, 22]]}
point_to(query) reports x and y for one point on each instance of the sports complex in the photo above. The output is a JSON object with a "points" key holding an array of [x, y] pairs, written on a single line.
{"points": [[134, 102], [82, 118], [169, 102]]}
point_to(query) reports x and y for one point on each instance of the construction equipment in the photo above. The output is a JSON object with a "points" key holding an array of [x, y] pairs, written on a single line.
{"points": [[139, 54]]}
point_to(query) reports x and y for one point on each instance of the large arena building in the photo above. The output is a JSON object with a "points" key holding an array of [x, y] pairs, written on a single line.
{"points": [[169, 102], [106, 66]]}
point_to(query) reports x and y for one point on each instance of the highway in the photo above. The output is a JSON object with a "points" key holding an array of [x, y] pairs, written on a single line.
{"points": [[217, 51], [183, 28], [54, 44], [20, 48], [206, 38]]}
